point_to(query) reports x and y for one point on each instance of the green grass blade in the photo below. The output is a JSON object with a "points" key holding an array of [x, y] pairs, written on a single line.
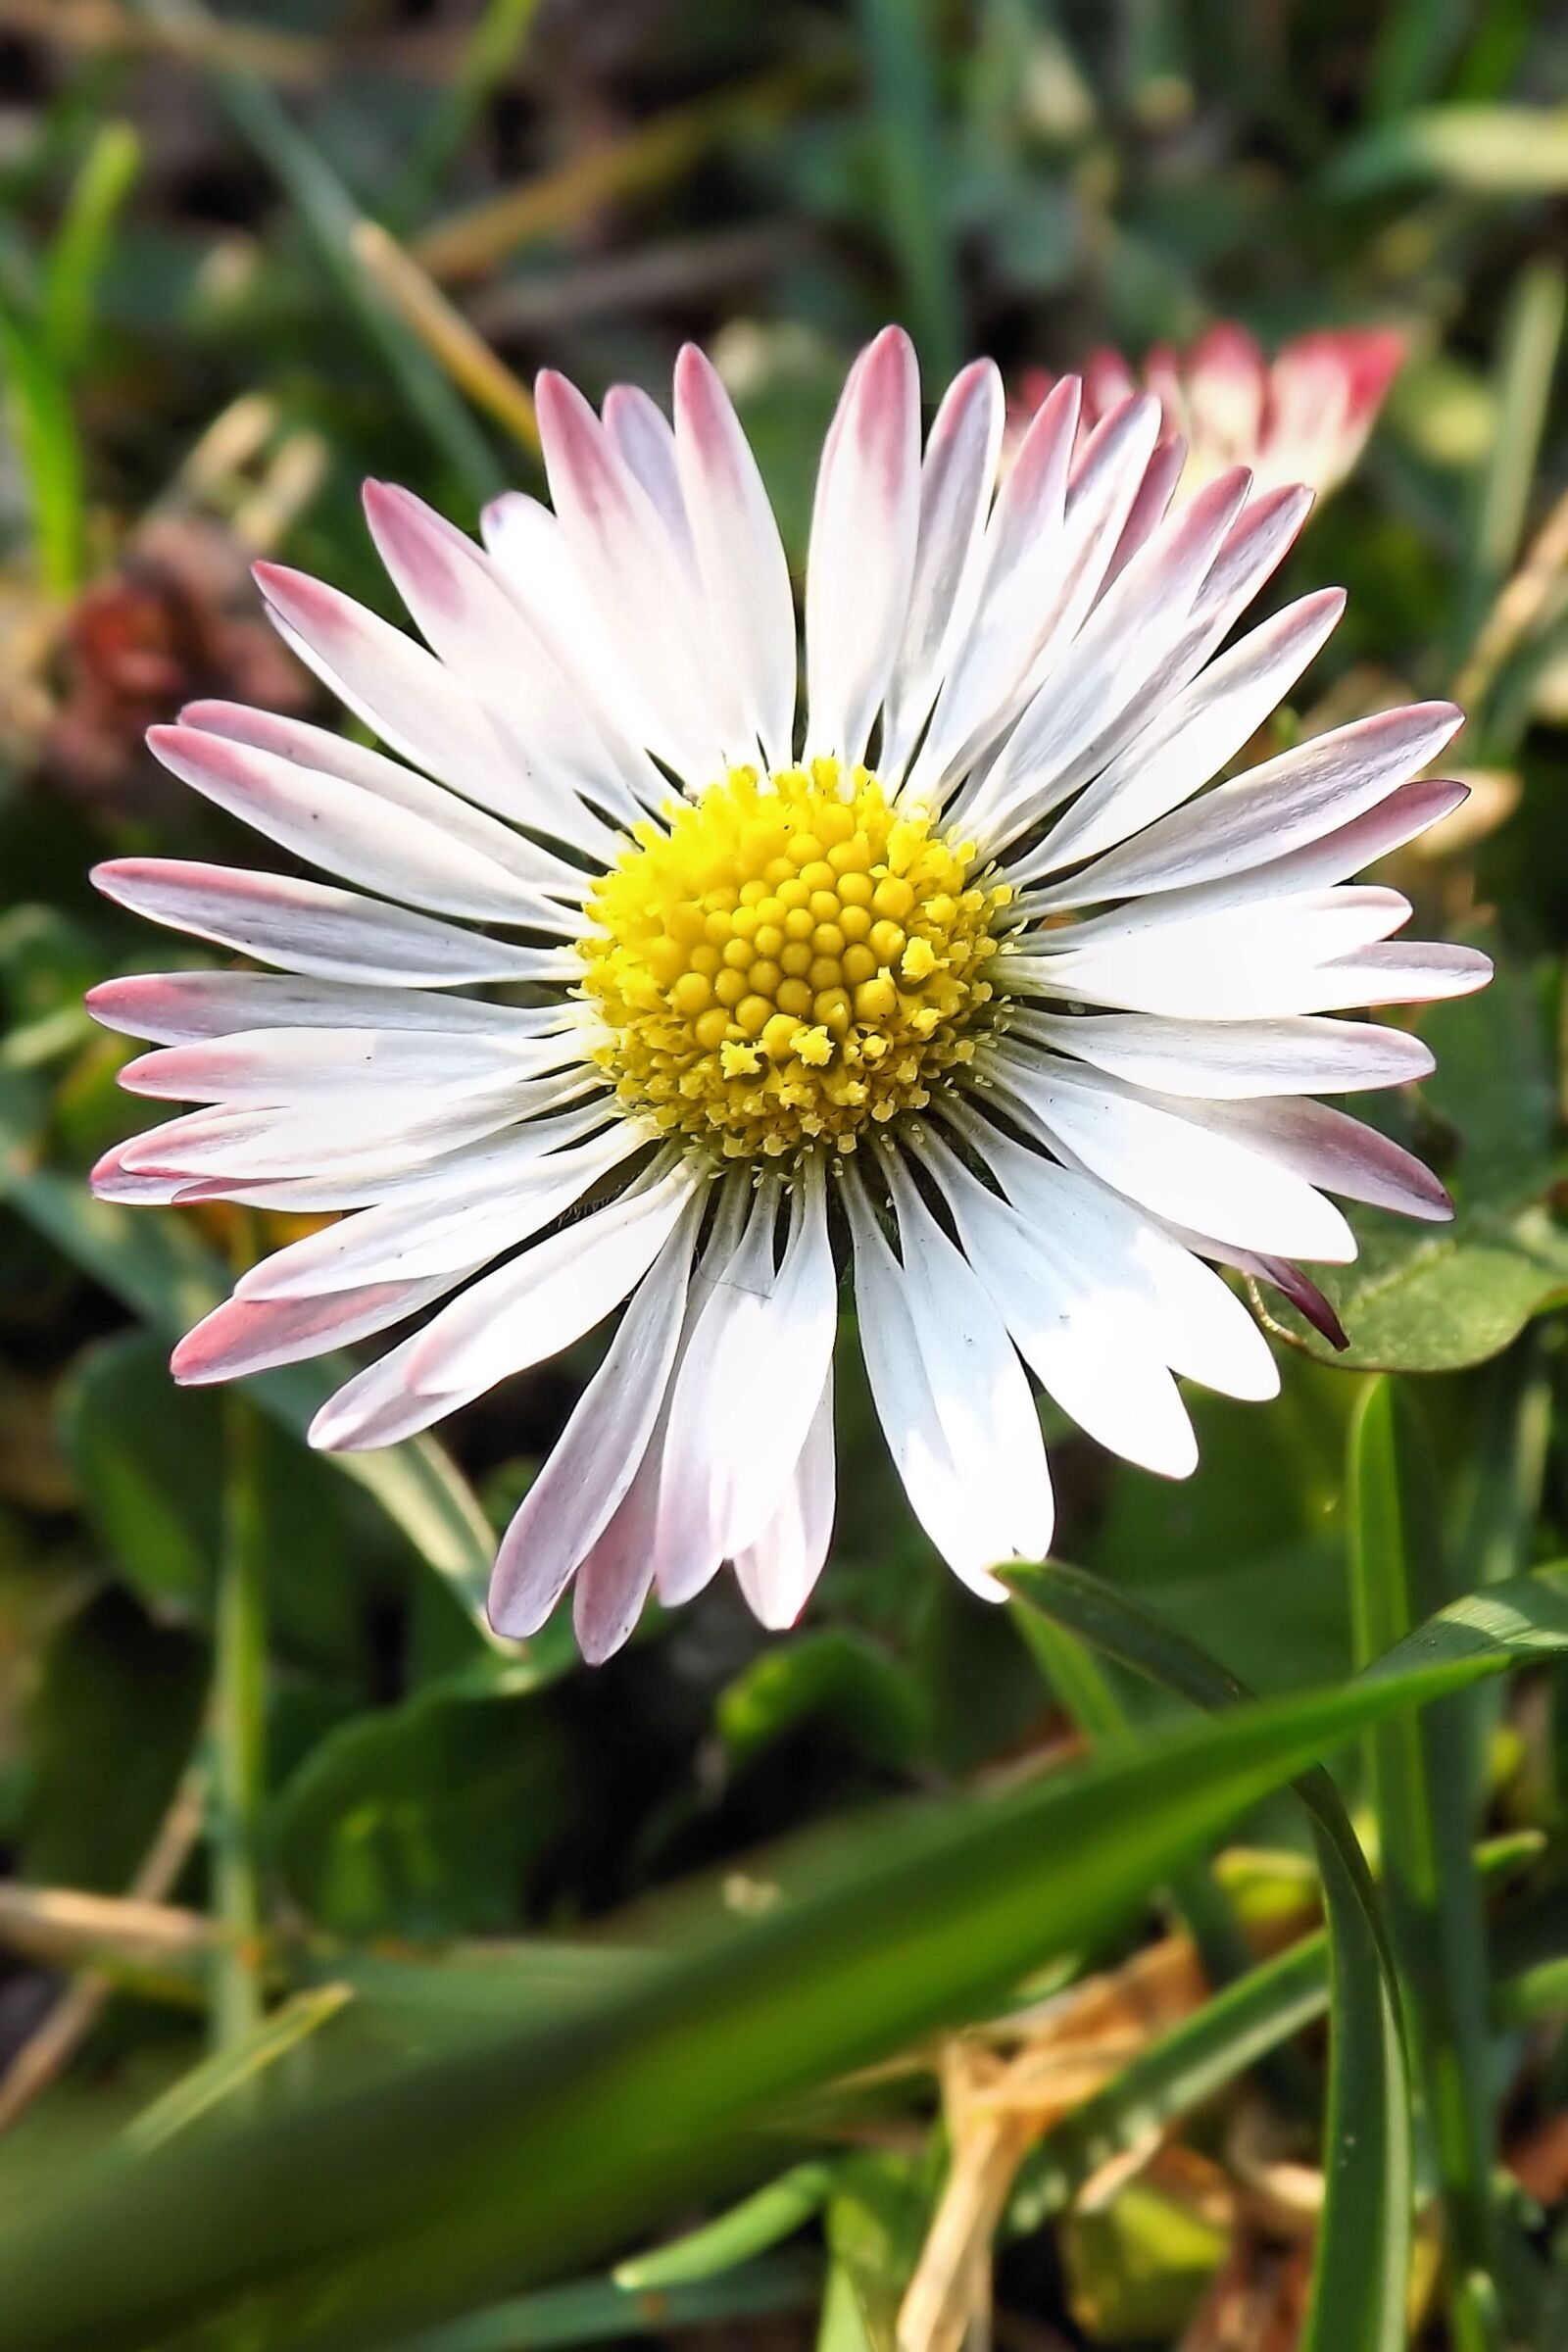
{"points": [[1081, 1685], [330, 216], [597, 2311], [1527, 360], [760, 2221], [1425, 1808], [477, 2173], [82, 246], [45, 436], [1364, 2244], [898, 47]]}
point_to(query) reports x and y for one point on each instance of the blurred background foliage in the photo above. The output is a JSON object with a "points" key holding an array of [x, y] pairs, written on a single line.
{"points": [[359, 1975]]}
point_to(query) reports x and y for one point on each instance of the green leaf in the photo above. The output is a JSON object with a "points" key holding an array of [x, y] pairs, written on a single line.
{"points": [[1364, 2244], [833, 1676], [162, 1271], [115, 1716], [423, 1819], [1424, 1807], [1436, 1297], [598, 2311], [524, 2155], [763, 2220], [1486, 150]]}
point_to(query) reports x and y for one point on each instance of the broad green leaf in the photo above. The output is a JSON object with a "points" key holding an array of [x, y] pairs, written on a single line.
{"points": [[526, 2155], [423, 1819], [1436, 1297], [835, 1676], [115, 1714]]}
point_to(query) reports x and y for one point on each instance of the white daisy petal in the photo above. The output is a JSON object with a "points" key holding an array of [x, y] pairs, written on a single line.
{"points": [[860, 565], [1086, 1340], [375, 778], [1234, 1061], [1315, 789], [633, 573], [256, 1335], [553, 1293], [1330, 1149], [578, 1492], [950, 1395], [311, 928], [738, 551], [426, 714], [1193, 738], [779, 1569], [749, 1378], [1173, 1166], [955, 484], [176, 1008]]}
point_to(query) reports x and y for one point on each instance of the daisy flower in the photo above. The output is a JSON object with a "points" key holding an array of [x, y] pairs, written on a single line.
{"points": [[641, 985], [1303, 416]]}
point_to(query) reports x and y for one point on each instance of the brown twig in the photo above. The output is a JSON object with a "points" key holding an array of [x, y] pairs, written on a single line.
{"points": [[473, 243], [444, 331], [49, 2049]]}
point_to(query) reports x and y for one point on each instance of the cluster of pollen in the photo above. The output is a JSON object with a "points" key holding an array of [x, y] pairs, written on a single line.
{"points": [[792, 957]]}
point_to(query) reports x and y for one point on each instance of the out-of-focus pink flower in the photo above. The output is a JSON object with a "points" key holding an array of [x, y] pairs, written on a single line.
{"points": [[1303, 416]]}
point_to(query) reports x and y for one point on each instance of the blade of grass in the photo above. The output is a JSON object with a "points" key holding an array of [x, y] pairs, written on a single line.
{"points": [[598, 2310], [475, 2174], [1082, 1686], [1364, 2244], [760, 2221], [81, 245], [1527, 358], [45, 436], [896, 37], [329, 214], [238, 1739], [1197, 2058], [232, 2070], [470, 244], [489, 54], [1424, 1810]]}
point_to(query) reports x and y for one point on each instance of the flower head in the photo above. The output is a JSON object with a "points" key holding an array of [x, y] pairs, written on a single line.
{"points": [[633, 990], [1303, 416]]}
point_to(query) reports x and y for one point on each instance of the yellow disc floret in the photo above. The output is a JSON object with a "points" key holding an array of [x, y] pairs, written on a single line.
{"points": [[790, 958]]}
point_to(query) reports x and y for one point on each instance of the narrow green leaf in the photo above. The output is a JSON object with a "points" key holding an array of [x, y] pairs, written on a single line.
{"points": [[82, 246], [524, 2154], [1363, 2245], [1527, 360], [1424, 1810], [329, 214], [598, 2311], [233, 2069], [760, 2221]]}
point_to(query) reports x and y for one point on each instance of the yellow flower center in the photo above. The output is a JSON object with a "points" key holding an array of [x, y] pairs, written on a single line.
{"points": [[792, 957]]}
